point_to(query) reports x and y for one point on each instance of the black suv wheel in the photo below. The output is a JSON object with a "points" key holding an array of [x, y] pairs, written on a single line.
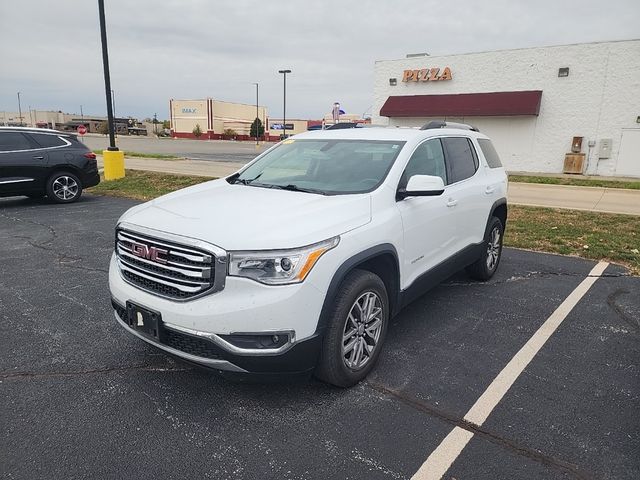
{"points": [[64, 187]]}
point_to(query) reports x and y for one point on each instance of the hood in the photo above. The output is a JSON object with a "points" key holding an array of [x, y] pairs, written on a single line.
{"points": [[241, 217]]}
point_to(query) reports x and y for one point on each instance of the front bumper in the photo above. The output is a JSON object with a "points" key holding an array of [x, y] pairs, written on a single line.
{"points": [[197, 330], [193, 347]]}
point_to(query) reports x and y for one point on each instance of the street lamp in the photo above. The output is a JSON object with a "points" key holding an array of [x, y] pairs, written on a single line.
{"points": [[257, 113], [19, 109], [284, 103], [113, 158]]}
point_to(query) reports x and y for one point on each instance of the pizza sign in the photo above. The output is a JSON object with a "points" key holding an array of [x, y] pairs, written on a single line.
{"points": [[427, 75]]}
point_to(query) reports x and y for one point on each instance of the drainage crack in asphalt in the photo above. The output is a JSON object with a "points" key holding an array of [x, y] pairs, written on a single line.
{"points": [[612, 302], [492, 437], [144, 368], [63, 259], [51, 230]]}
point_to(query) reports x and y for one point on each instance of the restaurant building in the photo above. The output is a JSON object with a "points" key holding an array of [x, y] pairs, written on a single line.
{"points": [[569, 108]]}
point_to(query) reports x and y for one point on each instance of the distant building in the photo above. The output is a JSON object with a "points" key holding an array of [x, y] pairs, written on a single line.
{"points": [[214, 117]]}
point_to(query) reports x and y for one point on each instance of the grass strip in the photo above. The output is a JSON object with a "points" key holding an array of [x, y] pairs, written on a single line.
{"points": [[160, 156], [578, 182], [142, 185], [592, 235]]}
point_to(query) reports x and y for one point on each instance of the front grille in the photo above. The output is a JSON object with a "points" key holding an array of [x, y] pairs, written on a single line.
{"points": [[190, 344], [164, 268]]}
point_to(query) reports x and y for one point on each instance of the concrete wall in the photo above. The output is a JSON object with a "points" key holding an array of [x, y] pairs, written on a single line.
{"points": [[599, 98]]}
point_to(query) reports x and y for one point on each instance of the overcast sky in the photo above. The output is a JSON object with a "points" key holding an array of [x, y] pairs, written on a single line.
{"points": [[162, 49]]}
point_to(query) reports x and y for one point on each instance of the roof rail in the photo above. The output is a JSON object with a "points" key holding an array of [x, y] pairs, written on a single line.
{"points": [[442, 124]]}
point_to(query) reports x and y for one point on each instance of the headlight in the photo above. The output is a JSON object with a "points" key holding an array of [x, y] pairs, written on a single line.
{"points": [[279, 267]]}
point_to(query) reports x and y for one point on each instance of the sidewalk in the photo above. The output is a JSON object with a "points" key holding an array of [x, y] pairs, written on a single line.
{"points": [[595, 199]]}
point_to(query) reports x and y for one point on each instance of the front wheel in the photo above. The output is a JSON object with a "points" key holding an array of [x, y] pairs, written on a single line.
{"points": [[356, 330], [487, 264], [64, 187]]}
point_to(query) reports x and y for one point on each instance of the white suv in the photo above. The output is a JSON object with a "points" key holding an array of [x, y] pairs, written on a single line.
{"points": [[297, 263]]}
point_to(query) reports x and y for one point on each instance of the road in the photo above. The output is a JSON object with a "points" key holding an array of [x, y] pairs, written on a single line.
{"points": [[81, 398], [225, 151]]}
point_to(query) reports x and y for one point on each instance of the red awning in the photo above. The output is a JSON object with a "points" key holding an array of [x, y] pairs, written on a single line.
{"points": [[464, 104]]}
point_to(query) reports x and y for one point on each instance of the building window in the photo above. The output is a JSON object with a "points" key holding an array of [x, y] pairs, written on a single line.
{"points": [[563, 72]]}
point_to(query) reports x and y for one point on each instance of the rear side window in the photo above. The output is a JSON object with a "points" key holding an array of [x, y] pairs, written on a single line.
{"points": [[489, 151], [14, 141], [461, 158], [47, 141]]}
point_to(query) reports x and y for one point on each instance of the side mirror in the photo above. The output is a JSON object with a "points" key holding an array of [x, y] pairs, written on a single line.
{"points": [[422, 186]]}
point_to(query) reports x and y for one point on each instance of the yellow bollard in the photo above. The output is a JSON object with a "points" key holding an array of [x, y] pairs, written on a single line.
{"points": [[113, 164]]}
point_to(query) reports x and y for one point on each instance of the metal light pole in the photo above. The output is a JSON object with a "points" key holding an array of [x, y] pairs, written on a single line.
{"points": [[107, 78], [113, 158], [284, 103], [19, 109], [257, 113]]}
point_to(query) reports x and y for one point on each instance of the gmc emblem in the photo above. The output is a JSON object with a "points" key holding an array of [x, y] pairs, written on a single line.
{"points": [[150, 253]]}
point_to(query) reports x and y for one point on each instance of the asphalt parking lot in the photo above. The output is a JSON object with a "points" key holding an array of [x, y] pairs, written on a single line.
{"points": [[80, 398]]}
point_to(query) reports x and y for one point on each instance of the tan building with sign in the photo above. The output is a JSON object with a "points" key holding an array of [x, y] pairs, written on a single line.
{"points": [[215, 119]]}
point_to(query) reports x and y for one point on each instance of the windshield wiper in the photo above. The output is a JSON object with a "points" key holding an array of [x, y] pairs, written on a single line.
{"points": [[295, 188], [236, 179]]}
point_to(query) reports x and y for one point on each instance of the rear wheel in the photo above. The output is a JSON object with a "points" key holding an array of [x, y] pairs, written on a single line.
{"points": [[487, 264], [64, 187], [356, 330]]}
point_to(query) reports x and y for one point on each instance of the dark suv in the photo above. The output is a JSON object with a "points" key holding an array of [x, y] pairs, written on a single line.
{"points": [[36, 162]]}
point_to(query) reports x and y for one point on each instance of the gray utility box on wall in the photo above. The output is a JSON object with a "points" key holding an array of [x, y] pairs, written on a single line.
{"points": [[605, 148]]}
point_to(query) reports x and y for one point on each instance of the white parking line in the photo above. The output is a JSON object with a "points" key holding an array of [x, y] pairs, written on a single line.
{"points": [[450, 448]]}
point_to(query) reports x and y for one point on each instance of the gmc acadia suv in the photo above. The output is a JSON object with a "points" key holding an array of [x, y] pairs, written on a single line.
{"points": [[297, 263]]}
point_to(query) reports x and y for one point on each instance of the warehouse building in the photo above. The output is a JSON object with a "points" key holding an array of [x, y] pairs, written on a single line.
{"points": [[570, 108], [214, 119]]}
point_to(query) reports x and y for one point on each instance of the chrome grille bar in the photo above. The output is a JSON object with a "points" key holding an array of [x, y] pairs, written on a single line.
{"points": [[168, 265]]}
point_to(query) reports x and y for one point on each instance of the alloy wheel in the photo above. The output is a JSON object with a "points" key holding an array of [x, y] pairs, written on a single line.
{"points": [[362, 330], [493, 249], [65, 187]]}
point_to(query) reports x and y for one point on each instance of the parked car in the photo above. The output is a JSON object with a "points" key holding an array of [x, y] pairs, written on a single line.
{"points": [[297, 263], [36, 162]]}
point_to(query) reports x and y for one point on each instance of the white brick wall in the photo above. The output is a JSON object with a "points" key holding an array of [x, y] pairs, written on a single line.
{"points": [[599, 98]]}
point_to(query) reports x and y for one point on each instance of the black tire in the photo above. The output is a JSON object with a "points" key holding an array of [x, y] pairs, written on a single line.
{"points": [[56, 190], [358, 286], [487, 264]]}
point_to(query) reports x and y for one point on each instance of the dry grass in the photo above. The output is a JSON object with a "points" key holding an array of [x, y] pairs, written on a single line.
{"points": [[597, 236], [580, 182], [143, 185]]}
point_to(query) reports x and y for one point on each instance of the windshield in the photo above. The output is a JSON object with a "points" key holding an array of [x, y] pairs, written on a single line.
{"points": [[328, 167]]}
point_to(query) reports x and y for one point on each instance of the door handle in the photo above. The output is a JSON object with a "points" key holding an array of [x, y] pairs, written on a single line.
{"points": [[452, 203], [39, 158]]}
